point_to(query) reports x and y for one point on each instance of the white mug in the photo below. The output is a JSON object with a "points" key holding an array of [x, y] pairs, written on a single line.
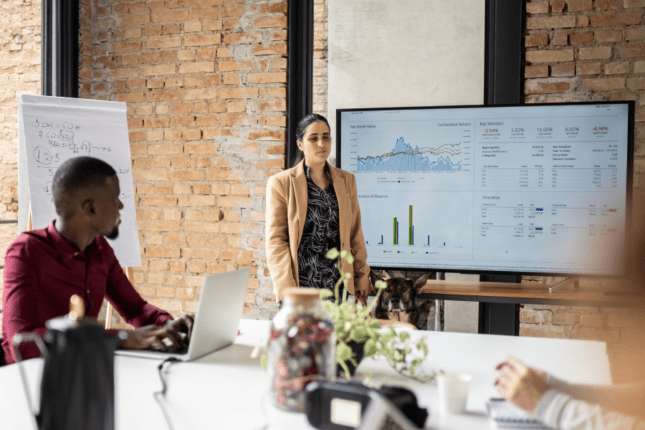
{"points": [[453, 391]]}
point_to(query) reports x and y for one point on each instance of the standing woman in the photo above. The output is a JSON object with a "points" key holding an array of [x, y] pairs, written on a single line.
{"points": [[312, 208]]}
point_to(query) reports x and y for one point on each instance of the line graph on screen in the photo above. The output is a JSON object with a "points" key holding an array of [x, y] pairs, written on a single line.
{"points": [[406, 158]]}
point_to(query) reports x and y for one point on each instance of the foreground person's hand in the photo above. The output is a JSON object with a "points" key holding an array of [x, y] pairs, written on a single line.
{"points": [[520, 384]]}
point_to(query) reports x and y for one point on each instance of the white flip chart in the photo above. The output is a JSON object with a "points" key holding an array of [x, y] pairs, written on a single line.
{"points": [[52, 130]]}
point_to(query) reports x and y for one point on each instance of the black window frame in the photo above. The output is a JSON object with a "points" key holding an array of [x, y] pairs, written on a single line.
{"points": [[503, 64], [60, 48]]}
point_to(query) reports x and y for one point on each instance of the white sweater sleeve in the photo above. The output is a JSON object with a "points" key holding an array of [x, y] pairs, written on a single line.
{"points": [[561, 411]]}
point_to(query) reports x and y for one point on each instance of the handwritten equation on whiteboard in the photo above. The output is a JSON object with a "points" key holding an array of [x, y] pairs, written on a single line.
{"points": [[60, 146], [55, 130], [60, 139]]}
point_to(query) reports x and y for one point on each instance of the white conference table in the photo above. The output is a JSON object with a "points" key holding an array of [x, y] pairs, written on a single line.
{"points": [[227, 389]]}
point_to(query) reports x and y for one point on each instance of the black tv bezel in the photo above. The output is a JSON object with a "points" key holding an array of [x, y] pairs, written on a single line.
{"points": [[631, 106]]}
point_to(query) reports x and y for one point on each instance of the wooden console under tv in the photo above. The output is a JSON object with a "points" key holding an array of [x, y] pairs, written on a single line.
{"points": [[525, 293]]}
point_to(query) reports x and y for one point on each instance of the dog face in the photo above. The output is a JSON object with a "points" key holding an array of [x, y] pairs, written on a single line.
{"points": [[400, 293]]}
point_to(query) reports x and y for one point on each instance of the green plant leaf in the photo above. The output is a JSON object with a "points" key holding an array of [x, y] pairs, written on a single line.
{"points": [[404, 336], [359, 334], [421, 346], [330, 309], [370, 347], [345, 369], [333, 254], [343, 352], [415, 363], [363, 313], [380, 285], [347, 256], [263, 361], [325, 293], [343, 312]]}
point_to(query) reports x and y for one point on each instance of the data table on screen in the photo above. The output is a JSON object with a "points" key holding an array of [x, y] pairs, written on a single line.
{"points": [[532, 188]]}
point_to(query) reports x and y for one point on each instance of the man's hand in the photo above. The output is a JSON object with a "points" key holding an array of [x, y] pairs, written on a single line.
{"points": [[169, 337], [520, 384], [183, 324]]}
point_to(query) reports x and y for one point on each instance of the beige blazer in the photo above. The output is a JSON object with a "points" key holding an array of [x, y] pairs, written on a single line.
{"points": [[286, 203]]}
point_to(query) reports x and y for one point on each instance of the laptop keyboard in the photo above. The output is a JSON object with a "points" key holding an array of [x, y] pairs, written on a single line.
{"points": [[183, 348]]}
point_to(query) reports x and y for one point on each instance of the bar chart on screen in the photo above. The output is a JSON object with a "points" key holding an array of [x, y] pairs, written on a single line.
{"points": [[408, 227]]}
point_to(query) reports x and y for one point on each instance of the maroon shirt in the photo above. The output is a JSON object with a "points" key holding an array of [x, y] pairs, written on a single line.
{"points": [[43, 270]]}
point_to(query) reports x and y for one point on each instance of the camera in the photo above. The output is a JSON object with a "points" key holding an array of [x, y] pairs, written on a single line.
{"points": [[351, 405]]}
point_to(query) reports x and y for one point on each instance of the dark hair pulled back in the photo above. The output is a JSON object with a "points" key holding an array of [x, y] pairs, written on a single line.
{"points": [[302, 127]]}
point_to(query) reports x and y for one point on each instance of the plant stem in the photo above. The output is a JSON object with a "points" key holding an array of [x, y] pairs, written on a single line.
{"points": [[345, 292], [338, 283], [340, 280], [378, 294]]}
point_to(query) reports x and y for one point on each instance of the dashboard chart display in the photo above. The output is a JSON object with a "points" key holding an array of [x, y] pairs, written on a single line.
{"points": [[540, 189]]}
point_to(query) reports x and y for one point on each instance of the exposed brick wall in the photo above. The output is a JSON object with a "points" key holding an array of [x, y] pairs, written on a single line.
{"points": [[611, 325], [19, 74], [586, 50], [205, 85], [320, 57]]}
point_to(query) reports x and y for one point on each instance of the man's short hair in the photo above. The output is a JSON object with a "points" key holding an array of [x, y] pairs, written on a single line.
{"points": [[77, 174]]}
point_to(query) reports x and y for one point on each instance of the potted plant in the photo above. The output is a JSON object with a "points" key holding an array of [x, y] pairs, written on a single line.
{"points": [[355, 326]]}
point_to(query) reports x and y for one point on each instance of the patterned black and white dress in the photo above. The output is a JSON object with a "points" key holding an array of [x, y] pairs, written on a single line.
{"points": [[321, 233]]}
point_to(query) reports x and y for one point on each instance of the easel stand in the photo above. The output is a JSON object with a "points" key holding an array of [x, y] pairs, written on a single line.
{"points": [[129, 272]]}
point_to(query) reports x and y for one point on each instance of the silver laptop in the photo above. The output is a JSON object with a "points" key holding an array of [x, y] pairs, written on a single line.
{"points": [[217, 319]]}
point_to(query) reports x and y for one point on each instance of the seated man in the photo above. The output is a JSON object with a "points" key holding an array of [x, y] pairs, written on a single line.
{"points": [[44, 268]]}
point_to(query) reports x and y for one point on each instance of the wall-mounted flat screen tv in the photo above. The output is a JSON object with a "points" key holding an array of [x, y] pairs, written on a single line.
{"points": [[529, 189]]}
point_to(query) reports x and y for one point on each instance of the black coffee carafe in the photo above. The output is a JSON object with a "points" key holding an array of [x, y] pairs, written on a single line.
{"points": [[77, 386]]}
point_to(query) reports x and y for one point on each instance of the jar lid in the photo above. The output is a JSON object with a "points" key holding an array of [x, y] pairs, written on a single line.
{"points": [[302, 294]]}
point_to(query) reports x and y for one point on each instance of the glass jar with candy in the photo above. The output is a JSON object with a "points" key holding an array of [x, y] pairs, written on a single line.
{"points": [[302, 347]]}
